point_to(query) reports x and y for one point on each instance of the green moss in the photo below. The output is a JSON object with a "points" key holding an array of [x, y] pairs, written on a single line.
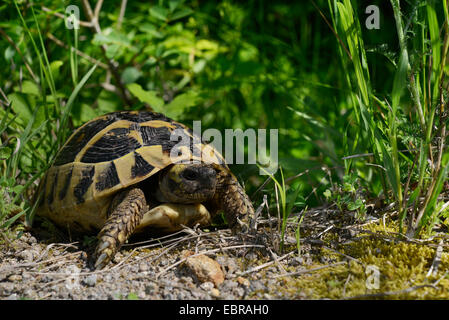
{"points": [[401, 265]]}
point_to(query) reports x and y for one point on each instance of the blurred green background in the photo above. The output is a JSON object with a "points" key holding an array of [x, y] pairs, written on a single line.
{"points": [[230, 64]]}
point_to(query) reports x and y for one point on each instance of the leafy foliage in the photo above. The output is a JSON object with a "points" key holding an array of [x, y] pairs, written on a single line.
{"points": [[349, 102]]}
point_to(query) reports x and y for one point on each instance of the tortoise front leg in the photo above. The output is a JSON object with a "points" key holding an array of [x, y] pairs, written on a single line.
{"points": [[126, 212], [234, 201]]}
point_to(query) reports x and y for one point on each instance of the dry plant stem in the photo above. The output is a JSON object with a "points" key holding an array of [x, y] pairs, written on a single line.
{"points": [[436, 261], [20, 54], [262, 266], [437, 169], [122, 14], [392, 293], [276, 260], [111, 63], [207, 252], [404, 203], [5, 97], [59, 15], [78, 52], [310, 270]]}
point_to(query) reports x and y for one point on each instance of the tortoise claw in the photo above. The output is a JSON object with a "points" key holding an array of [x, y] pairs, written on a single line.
{"points": [[102, 261], [102, 256]]}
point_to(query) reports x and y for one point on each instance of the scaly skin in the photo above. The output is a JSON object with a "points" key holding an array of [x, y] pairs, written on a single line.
{"points": [[126, 212], [234, 201]]}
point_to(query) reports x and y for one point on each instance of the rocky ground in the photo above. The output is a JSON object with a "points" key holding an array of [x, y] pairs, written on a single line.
{"points": [[193, 265], [214, 264]]}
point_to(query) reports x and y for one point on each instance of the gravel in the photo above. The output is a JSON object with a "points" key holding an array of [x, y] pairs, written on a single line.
{"points": [[33, 268], [39, 267]]}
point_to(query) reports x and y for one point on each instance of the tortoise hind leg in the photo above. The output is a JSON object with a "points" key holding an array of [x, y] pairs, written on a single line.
{"points": [[126, 212]]}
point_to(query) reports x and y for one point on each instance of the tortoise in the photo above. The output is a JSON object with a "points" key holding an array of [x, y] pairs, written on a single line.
{"points": [[131, 171]]}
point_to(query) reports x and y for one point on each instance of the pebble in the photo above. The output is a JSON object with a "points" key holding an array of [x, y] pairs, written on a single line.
{"points": [[14, 296], [90, 280], [229, 285], [151, 288], [296, 261], [15, 277], [207, 286], [32, 240], [143, 267], [267, 296], [205, 269], [257, 285], [141, 295], [243, 281], [6, 288], [28, 255], [240, 292], [228, 264], [214, 293]]}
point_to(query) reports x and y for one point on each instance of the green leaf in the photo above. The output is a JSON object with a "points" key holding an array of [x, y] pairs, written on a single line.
{"points": [[22, 105], [9, 53], [327, 194], [130, 75], [112, 50], [29, 87], [54, 68], [5, 152], [199, 66], [180, 103], [173, 4], [132, 296], [149, 97], [152, 30], [355, 205], [182, 13], [159, 13]]}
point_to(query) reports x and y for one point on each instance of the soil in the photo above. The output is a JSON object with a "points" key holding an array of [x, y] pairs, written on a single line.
{"points": [[35, 266]]}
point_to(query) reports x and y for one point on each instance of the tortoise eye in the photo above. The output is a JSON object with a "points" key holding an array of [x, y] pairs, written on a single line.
{"points": [[190, 175]]}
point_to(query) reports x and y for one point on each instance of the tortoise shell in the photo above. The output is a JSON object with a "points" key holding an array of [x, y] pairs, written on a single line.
{"points": [[108, 154]]}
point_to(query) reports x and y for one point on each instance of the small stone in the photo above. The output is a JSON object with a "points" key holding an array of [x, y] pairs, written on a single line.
{"points": [[296, 261], [215, 293], [257, 285], [239, 292], [243, 281], [228, 264], [207, 286], [141, 295], [151, 288], [90, 280], [229, 284], [14, 296], [6, 288], [15, 278], [28, 255], [143, 267], [32, 240], [205, 269]]}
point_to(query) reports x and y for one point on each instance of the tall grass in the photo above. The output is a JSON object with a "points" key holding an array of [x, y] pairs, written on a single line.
{"points": [[416, 100], [29, 149]]}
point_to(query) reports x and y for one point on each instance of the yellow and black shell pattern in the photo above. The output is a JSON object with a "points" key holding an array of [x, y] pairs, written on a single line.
{"points": [[108, 154]]}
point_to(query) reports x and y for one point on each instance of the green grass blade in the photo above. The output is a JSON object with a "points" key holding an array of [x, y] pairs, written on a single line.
{"points": [[69, 104]]}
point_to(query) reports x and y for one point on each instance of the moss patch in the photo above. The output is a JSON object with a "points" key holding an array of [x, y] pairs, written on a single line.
{"points": [[385, 268]]}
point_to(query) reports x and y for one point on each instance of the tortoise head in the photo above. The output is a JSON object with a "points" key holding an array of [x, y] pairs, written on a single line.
{"points": [[188, 183]]}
